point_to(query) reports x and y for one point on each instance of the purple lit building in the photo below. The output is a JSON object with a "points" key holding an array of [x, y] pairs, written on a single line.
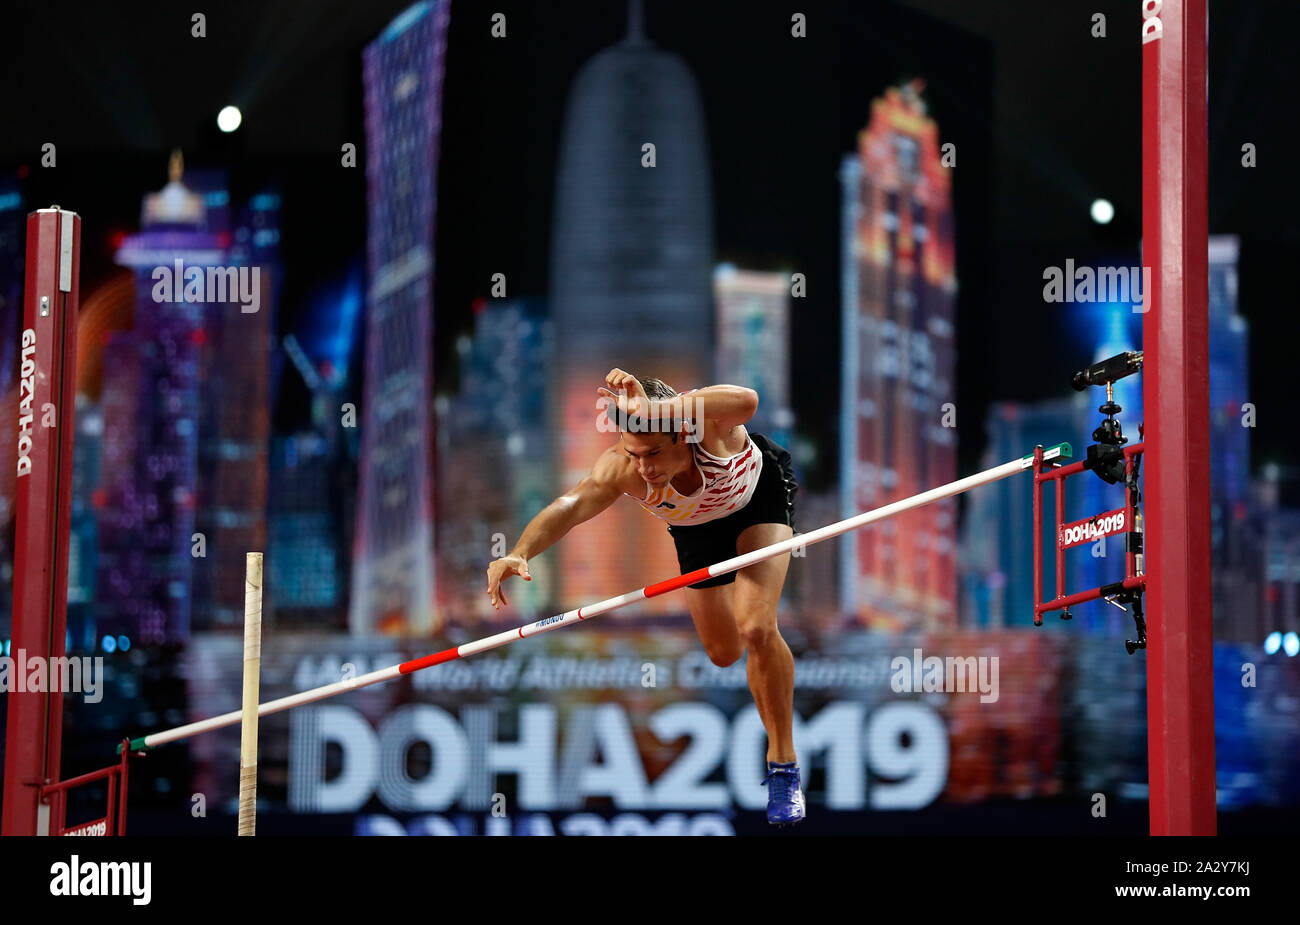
{"points": [[392, 561], [149, 471], [185, 418]]}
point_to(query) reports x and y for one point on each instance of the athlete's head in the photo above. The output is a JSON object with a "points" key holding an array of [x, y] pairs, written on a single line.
{"points": [[658, 447], [656, 389]]}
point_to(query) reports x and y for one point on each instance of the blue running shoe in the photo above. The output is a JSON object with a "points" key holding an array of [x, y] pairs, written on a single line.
{"points": [[785, 804]]}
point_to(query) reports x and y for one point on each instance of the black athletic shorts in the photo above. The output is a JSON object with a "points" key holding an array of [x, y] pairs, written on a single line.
{"points": [[771, 503]]}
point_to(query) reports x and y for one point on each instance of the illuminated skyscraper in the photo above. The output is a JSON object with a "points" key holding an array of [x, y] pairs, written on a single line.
{"points": [[186, 417], [898, 368], [151, 407], [754, 343], [633, 247], [393, 571]]}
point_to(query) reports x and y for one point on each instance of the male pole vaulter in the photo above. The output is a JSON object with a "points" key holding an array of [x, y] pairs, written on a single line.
{"points": [[688, 459]]}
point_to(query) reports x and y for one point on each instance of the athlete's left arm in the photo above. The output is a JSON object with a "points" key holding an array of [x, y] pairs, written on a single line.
{"points": [[724, 405]]}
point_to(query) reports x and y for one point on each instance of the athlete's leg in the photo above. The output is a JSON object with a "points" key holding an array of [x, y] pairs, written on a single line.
{"points": [[715, 622], [771, 666]]}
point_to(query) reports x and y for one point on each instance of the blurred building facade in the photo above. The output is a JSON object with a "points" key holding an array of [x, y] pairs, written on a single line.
{"points": [[812, 582], [496, 468], [83, 532], [313, 471], [392, 559], [1239, 525], [753, 343], [234, 437], [307, 577], [898, 368], [1281, 550]]}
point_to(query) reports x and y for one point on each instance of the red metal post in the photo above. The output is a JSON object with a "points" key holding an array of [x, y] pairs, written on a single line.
{"points": [[112, 803], [1180, 658], [122, 781], [1038, 536], [1092, 594], [47, 383], [1130, 515], [1056, 533]]}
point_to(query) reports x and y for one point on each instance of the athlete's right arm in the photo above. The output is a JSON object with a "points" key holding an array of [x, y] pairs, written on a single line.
{"points": [[609, 478]]}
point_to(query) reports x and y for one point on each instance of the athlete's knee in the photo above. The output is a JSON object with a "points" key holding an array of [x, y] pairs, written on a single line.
{"points": [[758, 634], [725, 657]]}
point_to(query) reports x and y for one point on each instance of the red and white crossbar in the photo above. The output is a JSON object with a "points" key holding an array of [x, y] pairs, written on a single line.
{"points": [[593, 610]]}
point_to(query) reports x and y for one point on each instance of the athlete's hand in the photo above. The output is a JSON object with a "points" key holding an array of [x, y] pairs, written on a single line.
{"points": [[627, 392], [502, 569]]}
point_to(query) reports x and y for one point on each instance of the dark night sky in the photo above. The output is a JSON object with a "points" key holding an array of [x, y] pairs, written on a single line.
{"points": [[1045, 117]]}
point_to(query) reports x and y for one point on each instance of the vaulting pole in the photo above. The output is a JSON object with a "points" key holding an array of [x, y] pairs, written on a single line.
{"points": [[252, 675], [583, 613]]}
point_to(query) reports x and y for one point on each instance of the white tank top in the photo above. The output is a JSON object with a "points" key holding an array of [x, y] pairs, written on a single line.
{"points": [[727, 485]]}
